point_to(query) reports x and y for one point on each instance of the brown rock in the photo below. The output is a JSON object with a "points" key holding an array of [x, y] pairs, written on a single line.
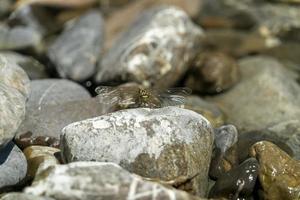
{"points": [[40, 158], [213, 72], [279, 174]]}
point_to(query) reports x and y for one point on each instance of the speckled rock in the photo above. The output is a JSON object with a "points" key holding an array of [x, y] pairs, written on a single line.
{"points": [[279, 174], [13, 94], [13, 76], [209, 110], [146, 142], [238, 182], [99, 181], [114, 26], [76, 51], [266, 89], [44, 128], [39, 158], [23, 196], [33, 68], [13, 165], [212, 72], [18, 37], [153, 51]]}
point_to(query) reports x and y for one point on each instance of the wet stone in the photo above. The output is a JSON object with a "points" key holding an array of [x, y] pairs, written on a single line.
{"points": [[238, 182], [33, 68], [213, 72], [39, 158], [209, 110], [286, 135], [99, 181], [18, 37], [76, 51], [13, 94], [161, 143], [43, 127], [13, 166], [225, 152], [249, 105], [156, 49], [23, 196], [279, 174]]}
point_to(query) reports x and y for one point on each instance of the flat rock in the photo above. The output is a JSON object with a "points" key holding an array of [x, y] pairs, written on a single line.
{"points": [[76, 51], [155, 50], [161, 143], [23, 196], [54, 91], [33, 68], [13, 165], [279, 174], [13, 94], [266, 89], [47, 123], [99, 181]]}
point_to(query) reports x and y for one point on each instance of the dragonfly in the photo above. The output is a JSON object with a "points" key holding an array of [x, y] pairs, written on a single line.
{"points": [[135, 96]]}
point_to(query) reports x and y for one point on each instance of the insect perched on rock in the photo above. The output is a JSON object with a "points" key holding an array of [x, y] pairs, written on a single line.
{"points": [[132, 95]]}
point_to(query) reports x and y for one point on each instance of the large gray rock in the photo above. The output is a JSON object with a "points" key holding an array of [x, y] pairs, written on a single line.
{"points": [[52, 118], [157, 143], [95, 181], [23, 196], [14, 89], [54, 91], [268, 94], [76, 51], [13, 165], [57, 94], [155, 50]]}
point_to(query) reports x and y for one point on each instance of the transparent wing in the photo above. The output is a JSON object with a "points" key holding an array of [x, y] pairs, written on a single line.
{"points": [[174, 96], [107, 94], [183, 91]]}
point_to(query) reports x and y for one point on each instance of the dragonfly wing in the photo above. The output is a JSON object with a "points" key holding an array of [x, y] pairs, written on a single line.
{"points": [[174, 96], [183, 91], [172, 100], [107, 95]]}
